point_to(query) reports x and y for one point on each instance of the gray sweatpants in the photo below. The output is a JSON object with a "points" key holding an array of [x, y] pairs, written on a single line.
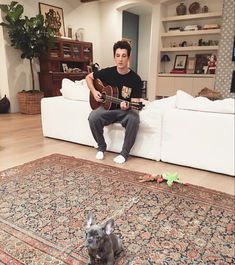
{"points": [[129, 119]]}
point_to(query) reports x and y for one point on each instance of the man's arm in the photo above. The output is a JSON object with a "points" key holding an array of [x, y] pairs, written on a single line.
{"points": [[135, 99], [124, 105], [96, 94]]}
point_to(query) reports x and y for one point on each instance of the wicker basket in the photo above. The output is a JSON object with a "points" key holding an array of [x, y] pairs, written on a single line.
{"points": [[30, 102]]}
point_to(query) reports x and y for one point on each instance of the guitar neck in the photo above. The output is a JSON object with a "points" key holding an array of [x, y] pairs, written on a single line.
{"points": [[113, 99], [134, 105]]}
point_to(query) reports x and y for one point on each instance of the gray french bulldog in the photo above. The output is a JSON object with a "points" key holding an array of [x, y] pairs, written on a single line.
{"points": [[102, 245]]}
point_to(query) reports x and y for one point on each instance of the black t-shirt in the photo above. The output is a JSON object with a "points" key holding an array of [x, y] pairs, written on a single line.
{"points": [[129, 85]]}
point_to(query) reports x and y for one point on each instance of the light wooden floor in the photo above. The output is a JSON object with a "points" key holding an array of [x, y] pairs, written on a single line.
{"points": [[21, 140]]}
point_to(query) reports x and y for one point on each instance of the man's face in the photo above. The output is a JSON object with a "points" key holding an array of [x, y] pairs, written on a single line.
{"points": [[121, 58]]}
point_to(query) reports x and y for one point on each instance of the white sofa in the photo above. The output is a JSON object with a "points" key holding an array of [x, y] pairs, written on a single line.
{"points": [[66, 118], [183, 130]]}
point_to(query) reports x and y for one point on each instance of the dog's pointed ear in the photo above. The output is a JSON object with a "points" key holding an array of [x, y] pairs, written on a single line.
{"points": [[90, 220], [108, 227]]}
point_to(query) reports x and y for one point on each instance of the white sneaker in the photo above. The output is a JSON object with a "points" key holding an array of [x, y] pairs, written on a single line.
{"points": [[119, 159], [99, 155]]}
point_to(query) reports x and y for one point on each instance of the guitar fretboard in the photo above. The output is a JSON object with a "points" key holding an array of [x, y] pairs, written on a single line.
{"points": [[118, 100]]}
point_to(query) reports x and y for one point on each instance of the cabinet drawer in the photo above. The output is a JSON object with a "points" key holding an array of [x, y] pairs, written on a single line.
{"points": [[200, 83], [183, 83], [165, 87], [168, 85]]}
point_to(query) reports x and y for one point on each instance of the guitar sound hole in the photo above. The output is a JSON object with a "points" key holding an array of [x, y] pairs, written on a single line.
{"points": [[103, 96]]}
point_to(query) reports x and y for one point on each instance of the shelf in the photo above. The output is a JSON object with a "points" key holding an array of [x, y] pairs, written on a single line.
{"points": [[192, 17], [191, 32], [65, 53], [189, 48], [171, 43], [186, 75]]}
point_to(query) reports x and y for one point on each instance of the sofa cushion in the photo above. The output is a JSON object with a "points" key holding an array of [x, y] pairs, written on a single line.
{"points": [[77, 90], [188, 102], [163, 104]]}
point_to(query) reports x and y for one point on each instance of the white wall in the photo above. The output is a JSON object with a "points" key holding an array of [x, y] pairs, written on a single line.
{"points": [[111, 24], [154, 52], [144, 46], [16, 71], [4, 89]]}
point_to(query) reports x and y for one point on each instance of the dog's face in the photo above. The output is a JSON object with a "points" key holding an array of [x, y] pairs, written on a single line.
{"points": [[96, 235]]}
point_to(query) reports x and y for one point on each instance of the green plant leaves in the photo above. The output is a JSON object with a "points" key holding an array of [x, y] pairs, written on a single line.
{"points": [[29, 35], [13, 11]]}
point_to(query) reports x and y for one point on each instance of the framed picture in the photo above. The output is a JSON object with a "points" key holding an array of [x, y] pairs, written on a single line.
{"points": [[191, 65], [201, 65], [180, 62], [53, 17], [65, 67]]}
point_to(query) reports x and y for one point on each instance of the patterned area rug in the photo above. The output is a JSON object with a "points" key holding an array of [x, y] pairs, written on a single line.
{"points": [[44, 204]]}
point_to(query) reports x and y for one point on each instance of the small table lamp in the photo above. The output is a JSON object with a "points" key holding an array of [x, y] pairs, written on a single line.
{"points": [[165, 58]]}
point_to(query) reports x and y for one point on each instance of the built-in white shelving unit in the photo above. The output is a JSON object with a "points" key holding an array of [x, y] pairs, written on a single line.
{"points": [[176, 40]]}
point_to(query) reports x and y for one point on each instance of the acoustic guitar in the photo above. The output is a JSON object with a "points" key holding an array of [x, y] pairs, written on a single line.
{"points": [[109, 95]]}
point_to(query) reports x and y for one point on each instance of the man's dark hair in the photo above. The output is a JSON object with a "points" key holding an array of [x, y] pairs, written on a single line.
{"points": [[122, 44]]}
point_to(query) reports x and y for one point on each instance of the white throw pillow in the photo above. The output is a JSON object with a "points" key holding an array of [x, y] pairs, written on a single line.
{"points": [[183, 99], [81, 82], [163, 104], [77, 90], [188, 102]]}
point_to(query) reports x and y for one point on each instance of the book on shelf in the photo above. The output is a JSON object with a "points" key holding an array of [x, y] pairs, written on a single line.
{"points": [[177, 71], [65, 38], [175, 29], [54, 54]]}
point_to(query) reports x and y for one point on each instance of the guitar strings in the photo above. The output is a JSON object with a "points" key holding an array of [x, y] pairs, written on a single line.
{"points": [[138, 105]]}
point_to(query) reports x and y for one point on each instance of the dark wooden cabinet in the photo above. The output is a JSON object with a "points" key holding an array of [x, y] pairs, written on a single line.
{"points": [[65, 59]]}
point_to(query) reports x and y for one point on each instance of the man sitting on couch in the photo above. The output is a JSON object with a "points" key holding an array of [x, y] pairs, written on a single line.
{"points": [[129, 86]]}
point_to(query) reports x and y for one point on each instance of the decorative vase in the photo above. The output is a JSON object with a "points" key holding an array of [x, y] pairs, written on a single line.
{"points": [[4, 105], [70, 32], [205, 9], [181, 9], [80, 34]]}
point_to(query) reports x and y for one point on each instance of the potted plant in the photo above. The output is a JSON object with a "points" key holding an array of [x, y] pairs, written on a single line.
{"points": [[32, 37]]}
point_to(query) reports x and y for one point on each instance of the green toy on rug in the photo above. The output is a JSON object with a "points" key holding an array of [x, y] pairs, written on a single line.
{"points": [[169, 177]]}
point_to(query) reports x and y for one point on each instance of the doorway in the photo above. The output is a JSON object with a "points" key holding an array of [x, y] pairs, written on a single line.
{"points": [[137, 27], [130, 32]]}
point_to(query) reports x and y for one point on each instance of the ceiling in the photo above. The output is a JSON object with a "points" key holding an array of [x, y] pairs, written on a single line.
{"points": [[138, 9], [86, 1]]}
